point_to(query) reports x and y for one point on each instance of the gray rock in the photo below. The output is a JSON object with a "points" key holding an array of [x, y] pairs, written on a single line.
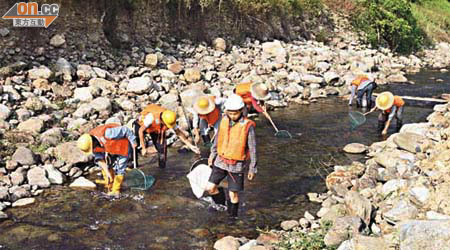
{"points": [[57, 40], [23, 202], [322, 211], [333, 213], [289, 224], [417, 128], [322, 66], [82, 182], [397, 78], [192, 75], [431, 215], [358, 206], [139, 85], [18, 177], [330, 77], [169, 101], [24, 156], [85, 72], [5, 112], [52, 137], [23, 114], [34, 103], [309, 216], [41, 72], [343, 229], [33, 125], [101, 104], [100, 72], [4, 32], [440, 108], [4, 195], [409, 141], [307, 78], [18, 193], [355, 148], [70, 153], [83, 94], [84, 110], [346, 245], [3, 216], [151, 60], [127, 105], [227, 243], [419, 195], [402, 210], [274, 49], [37, 176], [361, 242], [54, 176], [219, 44], [424, 235], [393, 186], [393, 158], [76, 124]]}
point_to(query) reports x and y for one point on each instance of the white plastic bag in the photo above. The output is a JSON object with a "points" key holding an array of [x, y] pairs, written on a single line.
{"points": [[198, 178]]}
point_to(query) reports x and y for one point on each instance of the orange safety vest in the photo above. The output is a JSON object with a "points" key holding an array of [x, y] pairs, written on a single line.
{"points": [[398, 102], [157, 125], [232, 142], [359, 80], [212, 117], [243, 90], [111, 146]]}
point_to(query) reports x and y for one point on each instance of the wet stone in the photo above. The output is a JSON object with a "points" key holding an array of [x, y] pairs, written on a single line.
{"points": [[355, 148], [289, 224], [23, 202]]}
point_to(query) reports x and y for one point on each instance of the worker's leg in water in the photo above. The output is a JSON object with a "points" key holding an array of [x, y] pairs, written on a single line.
{"points": [[159, 145], [235, 185], [217, 193], [359, 98]]}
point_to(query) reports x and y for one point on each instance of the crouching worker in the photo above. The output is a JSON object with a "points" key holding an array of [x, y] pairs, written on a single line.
{"points": [[156, 120], [391, 106], [363, 86], [233, 146], [208, 111], [254, 95], [112, 146]]}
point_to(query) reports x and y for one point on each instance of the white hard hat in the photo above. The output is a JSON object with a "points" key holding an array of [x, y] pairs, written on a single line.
{"points": [[234, 102]]}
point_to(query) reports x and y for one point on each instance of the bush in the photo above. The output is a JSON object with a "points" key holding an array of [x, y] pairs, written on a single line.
{"points": [[306, 241], [389, 23]]}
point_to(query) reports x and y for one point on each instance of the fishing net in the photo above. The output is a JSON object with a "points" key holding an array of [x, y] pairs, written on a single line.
{"points": [[283, 134], [356, 119], [136, 179]]}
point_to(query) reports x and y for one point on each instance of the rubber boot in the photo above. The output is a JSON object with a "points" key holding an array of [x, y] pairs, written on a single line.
{"points": [[161, 162], [233, 210], [104, 182], [220, 197], [399, 125], [115, 192]]}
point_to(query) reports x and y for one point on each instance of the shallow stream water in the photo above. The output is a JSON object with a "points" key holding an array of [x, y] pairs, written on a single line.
{"points": [[168, 216]]}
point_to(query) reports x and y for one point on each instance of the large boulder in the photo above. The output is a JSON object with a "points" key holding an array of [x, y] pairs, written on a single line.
{"points": [[393, 158], [139, 85], [402, 210], [54, 176], [5, 112], [24, 156], [227, 243], [409, 141], [424, 235], [37, 176], [70, 153], [169, 101], [342, 229]]}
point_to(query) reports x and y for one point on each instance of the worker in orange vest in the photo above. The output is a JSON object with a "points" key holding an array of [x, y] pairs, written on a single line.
{"points": [[391, 106], [156, 120], [208, 113], [112, 146], [363, 86], [233, 149], [254, 96]]}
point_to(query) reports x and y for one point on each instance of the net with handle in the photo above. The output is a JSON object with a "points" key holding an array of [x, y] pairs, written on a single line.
{"points": [[137, 180], [356, 119]]}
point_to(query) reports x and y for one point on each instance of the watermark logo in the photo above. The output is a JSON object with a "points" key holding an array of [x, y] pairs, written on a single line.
{"points": [[29, 14]]}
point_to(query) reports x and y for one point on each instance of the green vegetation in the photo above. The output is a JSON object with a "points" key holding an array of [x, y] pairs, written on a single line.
{"points": [[389, 23], [306, 241], [433, 17], [39, 149]]}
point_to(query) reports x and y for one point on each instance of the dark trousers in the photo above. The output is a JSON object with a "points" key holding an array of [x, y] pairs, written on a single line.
{"points": [[368, 90], [159, 140]]}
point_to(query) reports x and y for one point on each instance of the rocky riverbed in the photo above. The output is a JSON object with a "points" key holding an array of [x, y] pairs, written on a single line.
{"points": [[397, 199], [48, 102]]}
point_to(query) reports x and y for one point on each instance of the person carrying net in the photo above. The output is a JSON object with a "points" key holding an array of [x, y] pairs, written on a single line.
{"points": [[362, 85], [391, 106]]}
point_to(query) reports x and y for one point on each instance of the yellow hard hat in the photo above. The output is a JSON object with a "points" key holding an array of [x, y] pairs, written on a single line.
{"points": [[385, 100], [85, 143], [169, 118]]}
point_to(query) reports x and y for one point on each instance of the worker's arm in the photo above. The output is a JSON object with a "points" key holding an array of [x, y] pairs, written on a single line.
{"points": [[372, 110], [185, 140], [388, 123], [352, 95], [251, 143], [213, 153]]}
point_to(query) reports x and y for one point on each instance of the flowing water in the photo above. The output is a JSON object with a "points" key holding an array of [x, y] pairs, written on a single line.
{"points": [[168, 216]]}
